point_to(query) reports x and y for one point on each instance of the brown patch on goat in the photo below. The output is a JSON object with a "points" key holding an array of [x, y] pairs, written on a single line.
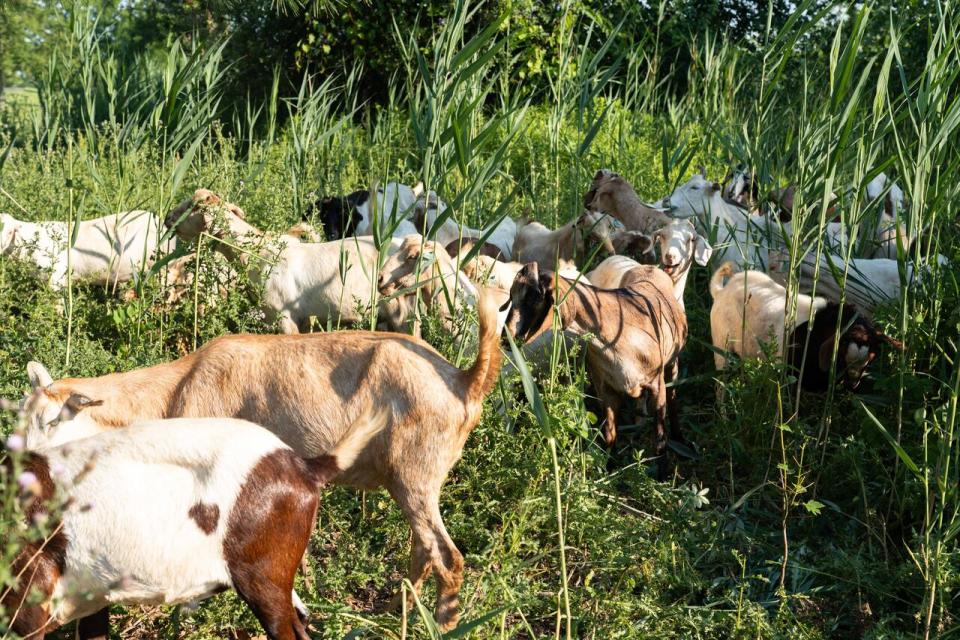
{"points": [[267, 534], [206, 516], [39, 565]]}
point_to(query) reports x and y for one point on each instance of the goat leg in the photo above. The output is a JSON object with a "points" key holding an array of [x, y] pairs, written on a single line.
{"points": [[658, 396], [611, 401], [673, 412], [416, 508]]}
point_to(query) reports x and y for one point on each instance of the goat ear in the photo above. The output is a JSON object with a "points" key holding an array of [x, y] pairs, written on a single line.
{"points": [[418, 189], [530, 272], [78, 402], [598, 175], [702, 169], [39, 377], [825, 355], [702, 251], [716, 186]]}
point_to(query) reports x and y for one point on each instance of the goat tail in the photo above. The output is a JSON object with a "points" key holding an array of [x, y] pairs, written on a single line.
{"points": [[365, 428], [718, 281], [481, 377]]}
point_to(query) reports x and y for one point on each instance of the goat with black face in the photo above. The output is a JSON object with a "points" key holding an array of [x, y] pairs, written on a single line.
{"points": [[750, 310], [635, 334], [338, 215]]}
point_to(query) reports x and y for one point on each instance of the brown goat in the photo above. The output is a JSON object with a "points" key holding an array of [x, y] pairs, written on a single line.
{"points": [[636, 334], [305, 388], [613, 195]]}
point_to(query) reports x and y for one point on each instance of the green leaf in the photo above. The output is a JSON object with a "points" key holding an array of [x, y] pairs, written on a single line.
{"points": [[530, 388], [813, 506], [903, 455]]}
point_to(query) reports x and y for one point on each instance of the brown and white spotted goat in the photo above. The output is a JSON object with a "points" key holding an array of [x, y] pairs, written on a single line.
{"points": [[171, 511], [635, 334]]}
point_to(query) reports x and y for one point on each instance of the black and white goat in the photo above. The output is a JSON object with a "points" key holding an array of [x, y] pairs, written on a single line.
{"points": [[750, 310]]}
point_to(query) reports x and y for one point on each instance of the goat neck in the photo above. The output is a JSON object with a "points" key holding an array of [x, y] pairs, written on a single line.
{"points": [[634, 214], [242, 239], [680, 283], [578, 305]]}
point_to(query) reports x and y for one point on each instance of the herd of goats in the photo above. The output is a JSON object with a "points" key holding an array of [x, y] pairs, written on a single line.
{"points": [[173, 482]]}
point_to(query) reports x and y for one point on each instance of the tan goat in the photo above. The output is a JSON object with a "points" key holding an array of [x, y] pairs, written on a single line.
{"points": [[536, 243], [635, 336], [306, 389], [613, 195]]}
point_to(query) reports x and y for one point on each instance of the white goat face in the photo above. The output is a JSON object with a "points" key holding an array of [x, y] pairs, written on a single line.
{"points": [[400, 269], [691, 198], [680, 245], [55, 417]]}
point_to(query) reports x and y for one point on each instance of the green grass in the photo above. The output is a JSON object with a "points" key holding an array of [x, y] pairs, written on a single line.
{"points": [[871, 532]]}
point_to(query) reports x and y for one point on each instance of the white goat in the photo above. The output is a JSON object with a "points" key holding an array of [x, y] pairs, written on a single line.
{"points": [[741, 237], [171, 511], [389, 207], [107, 251], [333, 281], [869, 281]]}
